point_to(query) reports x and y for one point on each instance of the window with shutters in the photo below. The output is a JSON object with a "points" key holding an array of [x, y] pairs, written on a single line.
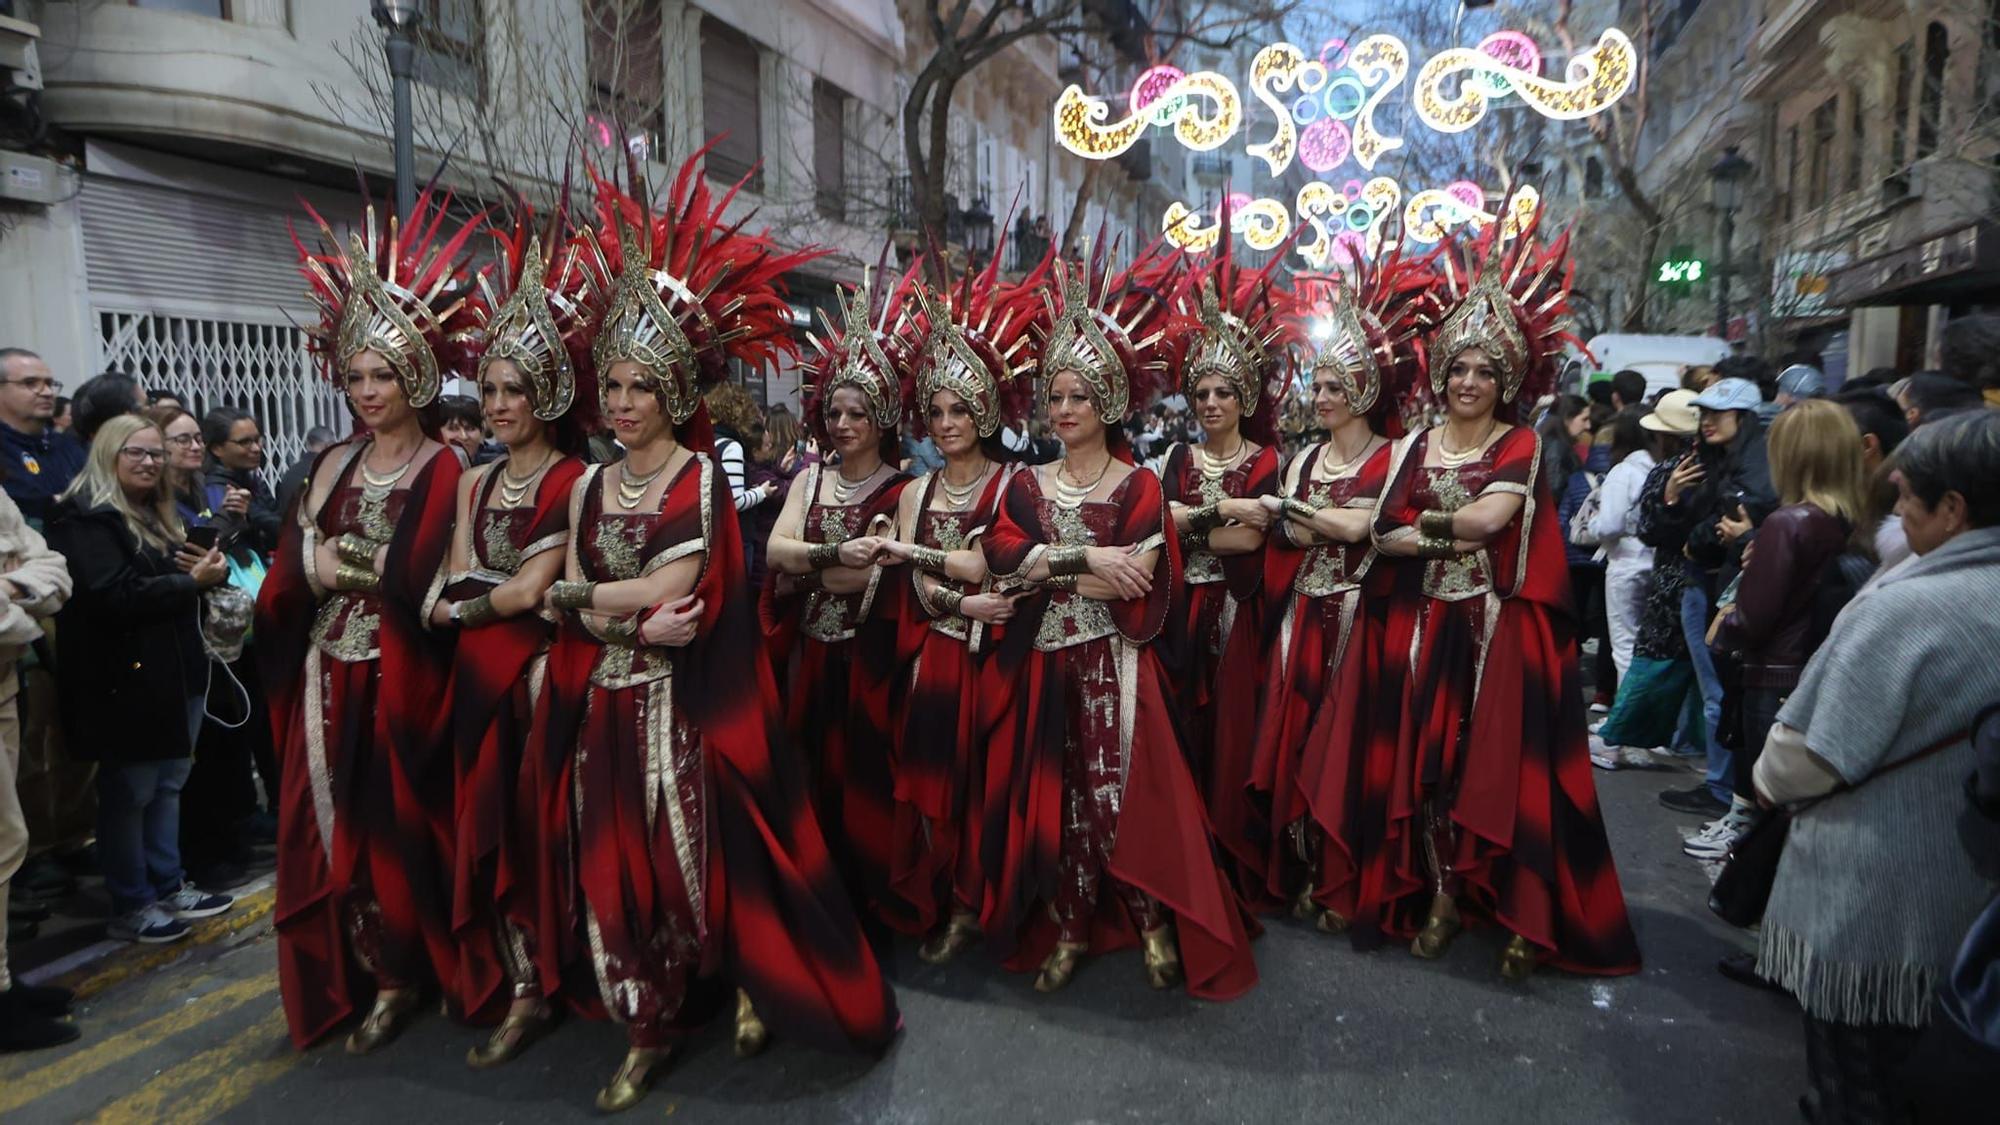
{"points": [[1822, 153], [732, 103], [829, 149], [1792, 186], [1857, 140], [451, 49], [1930, 102], [623, 58], [1899, 122]]}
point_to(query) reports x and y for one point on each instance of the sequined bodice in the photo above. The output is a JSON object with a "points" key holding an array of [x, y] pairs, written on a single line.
{"points": [[833, 617], [948, 531], [499, 536], [1329, 568], [1199, 565], [1449, 489], [1071, 618], [348, 624], [615, 547]]}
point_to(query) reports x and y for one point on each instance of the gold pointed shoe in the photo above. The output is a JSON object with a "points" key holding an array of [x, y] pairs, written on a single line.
{"points": [[1059, 967], [1518, 960], [635, 1076], [1442, 926], [1332, 923], [1163, 958], [512, 1037], [958, 935], [1303, 906], [386, 1020], [751, 1034]]}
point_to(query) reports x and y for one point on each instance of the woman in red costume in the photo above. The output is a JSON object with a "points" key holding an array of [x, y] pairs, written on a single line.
{"points": [[356, 677], [512, 525], [675, 825], [1098, 839], [832, 619], [1324, 595], [970, 379], [1495, 811], [1241, 331]]}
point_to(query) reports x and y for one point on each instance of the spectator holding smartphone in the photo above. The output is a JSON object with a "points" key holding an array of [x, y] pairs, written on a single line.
{"points": [[129, 642], [244, 507]]}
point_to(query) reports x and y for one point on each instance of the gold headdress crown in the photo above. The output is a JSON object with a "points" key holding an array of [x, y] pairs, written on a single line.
{"points": [[864, 353], [1226, 345], [1121, 341], [639, 325], [1516, 309], [538, 326]]}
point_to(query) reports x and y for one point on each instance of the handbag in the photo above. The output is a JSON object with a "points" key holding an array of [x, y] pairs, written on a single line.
{"points": [[1743, 889], [1581, 531]]}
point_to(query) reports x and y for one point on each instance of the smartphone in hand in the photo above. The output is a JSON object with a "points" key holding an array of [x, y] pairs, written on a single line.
{"points": [[202, 537]]}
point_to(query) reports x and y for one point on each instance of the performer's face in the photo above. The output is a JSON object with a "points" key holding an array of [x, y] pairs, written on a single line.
{"points": [[634, 410], [1329, 400], [374, 392], [1072, 414], [503, 400], [1216, 404], [848, 423], [950, 423], [1472, 385]]}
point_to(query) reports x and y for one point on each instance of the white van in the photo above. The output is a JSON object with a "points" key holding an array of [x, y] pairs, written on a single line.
{"points": [[1659, 358]]}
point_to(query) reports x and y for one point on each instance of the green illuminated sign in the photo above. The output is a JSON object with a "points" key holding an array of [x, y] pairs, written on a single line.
{"points": [[1680, 271]]}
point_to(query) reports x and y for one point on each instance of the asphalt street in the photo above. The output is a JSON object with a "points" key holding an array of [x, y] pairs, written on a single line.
{"points": [[1330, 1035]]}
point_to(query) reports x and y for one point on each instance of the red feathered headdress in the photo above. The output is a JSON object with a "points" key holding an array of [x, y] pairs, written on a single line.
{"points": [[1247, 323], [1368, 331], [396, 289], [873, 349], [535, 306], [977, 342], [692, 293], [1119, 334], [1508, 298]]}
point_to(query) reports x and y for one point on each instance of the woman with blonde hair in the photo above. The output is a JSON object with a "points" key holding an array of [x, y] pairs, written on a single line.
{"points": [[134, 673], [1791, 585]]}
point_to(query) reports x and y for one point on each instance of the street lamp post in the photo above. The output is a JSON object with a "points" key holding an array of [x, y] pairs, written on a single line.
{"points": [[978, 221], [1726, 179], [399, 18]]}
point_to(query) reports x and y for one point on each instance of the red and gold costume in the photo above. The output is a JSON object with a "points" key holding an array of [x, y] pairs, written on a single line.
{"points": [[1494, 802], [977, 345], [531, 315], [1242, 325], [359, 685], [678, 847], [1323, 781], [839, 649], [1098, 836]]}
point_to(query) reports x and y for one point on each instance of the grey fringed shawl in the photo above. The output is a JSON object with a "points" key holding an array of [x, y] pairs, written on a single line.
{"points": [[1875, 890]]}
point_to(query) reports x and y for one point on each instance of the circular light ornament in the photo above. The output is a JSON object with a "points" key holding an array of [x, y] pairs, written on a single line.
{"points": [[1513, 48], [1333, 54], [1324, 145], [1146, 91], [1359, 217], [1468, 193], [1343, 97], [1305, 109]]}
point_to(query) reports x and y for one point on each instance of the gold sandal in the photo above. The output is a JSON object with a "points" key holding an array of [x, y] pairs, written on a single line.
{"points": [[635, 1076], [512, 1037], [1517, 961], [1059, 967], [957, 936], [1442, 926], [1163, 957], [751, 1034], [391, 1014]]}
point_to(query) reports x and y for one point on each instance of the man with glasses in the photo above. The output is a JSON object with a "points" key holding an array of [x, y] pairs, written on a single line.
{"points": [[38, 460], [245, 509]]}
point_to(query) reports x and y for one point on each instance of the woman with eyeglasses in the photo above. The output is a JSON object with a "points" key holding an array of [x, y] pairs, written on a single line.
{"points": [[134, 672], [243, 504]]}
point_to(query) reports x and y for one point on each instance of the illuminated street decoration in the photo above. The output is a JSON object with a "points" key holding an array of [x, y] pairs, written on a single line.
{"points": [[1150, 85], [1277, 67], [1208, 112], [1433, 213], [1595, 80], [1380, 61], [1513, 48]]}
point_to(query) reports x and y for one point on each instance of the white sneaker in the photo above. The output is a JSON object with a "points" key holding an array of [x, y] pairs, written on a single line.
{"points": [[1716, 837], [149, 925], [1605, 756], [1598, 724], [193, 902]]}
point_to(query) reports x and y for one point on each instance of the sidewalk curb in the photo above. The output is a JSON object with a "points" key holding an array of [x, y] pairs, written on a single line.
{"points": [[108, 964]]}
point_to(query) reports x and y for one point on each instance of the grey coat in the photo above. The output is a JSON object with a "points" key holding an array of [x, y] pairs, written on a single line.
{"points": [[1875, 889]]}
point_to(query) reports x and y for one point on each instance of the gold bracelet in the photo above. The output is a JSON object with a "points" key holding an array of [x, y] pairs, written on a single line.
{"points": [[1205, 519], [348, 576], [949, 600], [1435, 523], [620, 630], [356, 549], [1297, 507], [477, 612], [819, 556], [570, 594], [1066, 562], [1431, 547], [929, 558]]}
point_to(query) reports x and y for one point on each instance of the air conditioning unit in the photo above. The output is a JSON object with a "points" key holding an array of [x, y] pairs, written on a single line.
{"points": [[17, 54], [34, 179]]}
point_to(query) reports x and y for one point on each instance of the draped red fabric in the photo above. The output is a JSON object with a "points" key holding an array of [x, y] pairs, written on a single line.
{"points": [[493, 876], [388, 766], [1504, 746], [1314, 761], [942, 733], [1163, 846], [777, 917]]}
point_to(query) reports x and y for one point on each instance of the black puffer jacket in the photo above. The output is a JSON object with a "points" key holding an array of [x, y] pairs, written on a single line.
{"points": [[128, 642], [1737, 474]]}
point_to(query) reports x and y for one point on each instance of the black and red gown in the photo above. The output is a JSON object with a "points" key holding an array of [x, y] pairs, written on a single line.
{"points": [[842, 688], [952, 702], [1315, 771], [679, 849], [360, 711], [1494, 801], [496, 678], [1214, 659], [1098, 833]]}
